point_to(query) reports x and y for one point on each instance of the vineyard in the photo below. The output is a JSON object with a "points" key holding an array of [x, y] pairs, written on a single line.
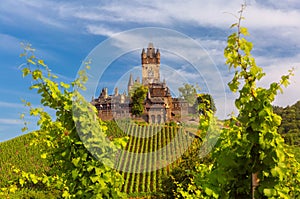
{"points": [[249, 159], [18, 152], [151, 153]]}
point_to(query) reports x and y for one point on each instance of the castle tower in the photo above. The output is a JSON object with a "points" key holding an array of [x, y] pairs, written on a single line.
{"points": [[150, 65]]}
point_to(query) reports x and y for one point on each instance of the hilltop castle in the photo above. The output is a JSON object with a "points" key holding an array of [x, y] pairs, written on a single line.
{"points": [[159, 106]]}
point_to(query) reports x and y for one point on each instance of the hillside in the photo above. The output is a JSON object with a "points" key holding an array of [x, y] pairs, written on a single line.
{"points": [[290, 124], [143, 140], [154, 150], [20, 154], [153, 145], [17, 153]]}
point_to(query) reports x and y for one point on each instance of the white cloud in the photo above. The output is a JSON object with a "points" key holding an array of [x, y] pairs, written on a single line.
{"points": [[11, 105], [9, 44], [11, 121], [274, 69], [101, 30]]}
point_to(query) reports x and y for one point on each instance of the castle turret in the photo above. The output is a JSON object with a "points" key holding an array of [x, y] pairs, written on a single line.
{"points": [[104, 93], [157, 56], [150, 65], [116, 91]]}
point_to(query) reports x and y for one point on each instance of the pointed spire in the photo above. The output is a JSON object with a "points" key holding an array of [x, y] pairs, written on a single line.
{"points": [[130, 83]]}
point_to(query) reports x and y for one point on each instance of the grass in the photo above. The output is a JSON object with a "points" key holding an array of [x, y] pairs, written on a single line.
{"points": [[18, 153]]}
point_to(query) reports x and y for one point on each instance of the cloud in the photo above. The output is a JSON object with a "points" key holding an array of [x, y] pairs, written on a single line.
{"points": [[274, 69], [11, 105], [102, 18], [10, 121], [9, 44], [45, 12], [101, 30]]}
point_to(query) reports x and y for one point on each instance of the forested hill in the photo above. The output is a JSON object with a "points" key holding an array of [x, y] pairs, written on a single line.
{"points": [[290, 124]]}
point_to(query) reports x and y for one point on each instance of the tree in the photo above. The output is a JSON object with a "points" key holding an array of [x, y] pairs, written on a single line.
{"points": [[189, 93], [205, 102], [138, 96], [290, 124]]}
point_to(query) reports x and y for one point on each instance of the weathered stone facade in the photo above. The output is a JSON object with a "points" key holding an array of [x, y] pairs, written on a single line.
{"points": [[159, 106], [150, 65]]}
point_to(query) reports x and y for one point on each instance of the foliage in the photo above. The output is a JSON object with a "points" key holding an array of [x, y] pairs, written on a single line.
{"points": [[138, 97], [75, 139], [290, 124], [296, 151], [250, 159], [17, 153], [189, 93], [113, 129], [151, 153], [205, 102], [183, 171], [26, 193]]}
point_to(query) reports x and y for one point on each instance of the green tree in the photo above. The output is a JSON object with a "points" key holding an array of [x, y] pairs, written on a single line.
{"points": [[138, 96], [290, 124], [189, 93], [205, 102]]}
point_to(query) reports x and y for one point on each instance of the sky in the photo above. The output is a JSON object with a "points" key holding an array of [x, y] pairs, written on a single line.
{"points": [[190, 34]]}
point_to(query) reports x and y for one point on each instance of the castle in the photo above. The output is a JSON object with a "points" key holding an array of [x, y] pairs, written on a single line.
{"points": [[159, 105]]}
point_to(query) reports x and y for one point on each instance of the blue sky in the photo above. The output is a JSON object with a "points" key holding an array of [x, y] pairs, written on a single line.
{"points": [[64, 33]]}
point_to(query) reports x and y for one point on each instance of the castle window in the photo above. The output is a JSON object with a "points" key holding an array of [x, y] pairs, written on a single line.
{"points": [[153, 118], [159, 119]]}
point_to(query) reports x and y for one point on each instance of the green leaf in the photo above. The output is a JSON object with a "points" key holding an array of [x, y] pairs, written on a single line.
{"points": [[22, 182], [75, 161], [94, 178], [244, 31], [74, 174], [37, 74], [64, 85], [234, 25], [66, 194], [25, 71], [34, 178], [270, 192], [44, 156]]}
